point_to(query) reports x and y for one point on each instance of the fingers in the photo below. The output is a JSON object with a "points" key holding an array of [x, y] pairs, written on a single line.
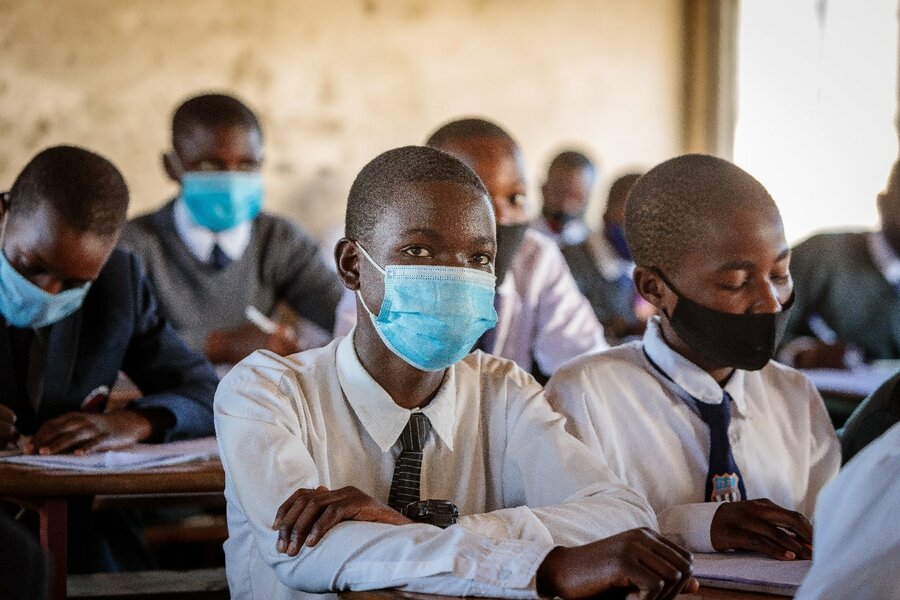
{"points": [[68, 440], [671, 563], [8, 431], [62, 433]]}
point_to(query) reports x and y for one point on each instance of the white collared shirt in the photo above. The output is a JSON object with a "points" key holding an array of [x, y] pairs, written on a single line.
{"points": [[884, 257], [857, 549], [200, 240], [496, 450], [542, 317], [573, 232], [646, 428]]}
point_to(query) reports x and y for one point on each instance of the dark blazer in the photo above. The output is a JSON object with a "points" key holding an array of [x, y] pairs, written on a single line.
{"points": [[836, 278], [878, 413], [119, 328]]}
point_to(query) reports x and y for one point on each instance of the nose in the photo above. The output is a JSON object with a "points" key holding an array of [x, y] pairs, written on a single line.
{"points": [[48, 283], [768, 299]]}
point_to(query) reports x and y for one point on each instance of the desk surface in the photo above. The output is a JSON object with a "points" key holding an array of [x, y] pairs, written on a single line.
{"points": [[190, 478], [703, 594]]}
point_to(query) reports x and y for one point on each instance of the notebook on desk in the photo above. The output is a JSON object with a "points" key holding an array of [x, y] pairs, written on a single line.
{"points": [[750, 572], [135, 458]]}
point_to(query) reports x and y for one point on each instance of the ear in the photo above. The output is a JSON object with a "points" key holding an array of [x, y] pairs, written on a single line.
{"points": [[652, 288], [172, 166], [346, 258]]}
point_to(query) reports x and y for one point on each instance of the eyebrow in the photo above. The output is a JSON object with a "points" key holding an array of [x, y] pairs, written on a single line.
{"points": [[744, 265], [426, 231]]}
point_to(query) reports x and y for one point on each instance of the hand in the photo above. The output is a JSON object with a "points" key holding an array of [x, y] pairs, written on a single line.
{"points": [[308, 514], [8, 431], [233, 345], [819, 355], [86, 432], [639, 561], [762, 526]]}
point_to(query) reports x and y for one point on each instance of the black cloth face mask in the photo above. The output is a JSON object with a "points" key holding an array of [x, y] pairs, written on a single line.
{"points": [[509, 238], [744, 341]]}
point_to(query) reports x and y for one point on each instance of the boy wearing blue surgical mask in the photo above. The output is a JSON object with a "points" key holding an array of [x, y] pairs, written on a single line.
{"points": [[729, 447], [212, 252], [74, 311], [394, 458]]}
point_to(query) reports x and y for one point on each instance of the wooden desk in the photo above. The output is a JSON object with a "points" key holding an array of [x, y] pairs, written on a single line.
{"points": [[46, 492], [704, 594]]}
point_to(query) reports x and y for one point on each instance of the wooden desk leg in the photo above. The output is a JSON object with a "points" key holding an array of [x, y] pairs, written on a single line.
{"points": [[52, 516]]}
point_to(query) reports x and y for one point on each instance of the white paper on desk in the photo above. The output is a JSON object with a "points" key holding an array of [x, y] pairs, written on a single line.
{"points": [[859, 382], [750, 572], [135, 458]]}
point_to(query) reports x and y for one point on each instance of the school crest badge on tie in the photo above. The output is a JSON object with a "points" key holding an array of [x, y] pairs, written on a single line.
{"points": [[725, 488]]}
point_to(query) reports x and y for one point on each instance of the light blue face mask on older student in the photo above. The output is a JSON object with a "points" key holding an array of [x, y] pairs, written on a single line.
{"points": [[24, 304], [220, 200], [432, 316]]}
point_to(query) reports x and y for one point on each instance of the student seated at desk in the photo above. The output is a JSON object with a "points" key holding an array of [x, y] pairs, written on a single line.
{"points": [[857, 533], [730, 448], [848, 292], [332, 454], [74, 311], [211, 252]]}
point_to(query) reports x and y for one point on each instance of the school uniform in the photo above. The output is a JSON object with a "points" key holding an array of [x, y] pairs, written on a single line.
{"points": [[857, 546], [205, 280], [542, 318], [849, 281], [640, 407], [493, 447], [71, 365]]}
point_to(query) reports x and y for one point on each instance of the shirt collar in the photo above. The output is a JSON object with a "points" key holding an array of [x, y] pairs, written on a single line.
{"points": [[884, 257], [200, 240], [686, 379], [378, 413]]}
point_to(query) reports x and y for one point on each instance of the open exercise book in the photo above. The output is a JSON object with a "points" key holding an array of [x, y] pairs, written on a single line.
{"points": [[135, 458], [750, 572]]}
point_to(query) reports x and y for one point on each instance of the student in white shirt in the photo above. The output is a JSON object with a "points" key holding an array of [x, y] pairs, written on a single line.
{"points": [[857, 536], [730, 448], [566, 193], [311, 443]]}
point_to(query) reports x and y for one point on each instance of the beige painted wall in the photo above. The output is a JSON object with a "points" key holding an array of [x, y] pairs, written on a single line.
{"points": [[337, 81]]}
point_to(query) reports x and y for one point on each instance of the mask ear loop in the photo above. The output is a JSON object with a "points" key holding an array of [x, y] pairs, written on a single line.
{"points": [[380, 270]]}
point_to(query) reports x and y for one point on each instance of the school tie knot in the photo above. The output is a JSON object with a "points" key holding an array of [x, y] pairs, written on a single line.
{"points": [[724, 482], [218, 259], [412, 439]]}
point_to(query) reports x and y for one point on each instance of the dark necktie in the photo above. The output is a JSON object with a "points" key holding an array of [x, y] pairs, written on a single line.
{"points": [[723, 481], [408, 470], [218, 259]]}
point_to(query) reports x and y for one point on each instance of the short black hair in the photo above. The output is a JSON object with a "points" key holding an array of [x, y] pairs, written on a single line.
{"points": [[84, 188], [618, 191], [466, 128], [674, 205], [211, 110], [390, 174], [571, 159]]}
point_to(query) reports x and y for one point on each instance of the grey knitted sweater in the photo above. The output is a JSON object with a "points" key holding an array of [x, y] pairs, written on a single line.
{"points": [[281, 263]]}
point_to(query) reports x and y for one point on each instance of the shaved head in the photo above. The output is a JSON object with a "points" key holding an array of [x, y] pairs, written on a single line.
{"points": [[673, 208]]}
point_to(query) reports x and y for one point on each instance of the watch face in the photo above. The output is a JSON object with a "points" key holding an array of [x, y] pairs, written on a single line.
{"points": [[441, 513]]}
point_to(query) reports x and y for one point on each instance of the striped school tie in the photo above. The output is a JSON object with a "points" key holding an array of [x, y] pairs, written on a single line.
{"points": [[408, 470]]}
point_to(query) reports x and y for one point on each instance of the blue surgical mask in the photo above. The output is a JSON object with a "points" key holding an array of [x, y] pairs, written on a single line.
{"points": [[220, 200], [432, 316], [24, 304]]}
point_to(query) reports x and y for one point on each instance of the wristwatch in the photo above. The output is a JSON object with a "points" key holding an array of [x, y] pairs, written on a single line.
{"points": [[441, 513]]}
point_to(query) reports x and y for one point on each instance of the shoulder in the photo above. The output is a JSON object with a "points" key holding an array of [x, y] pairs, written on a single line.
{"points": [[537, 259], [278, 228], [146, 228], [494, 372], [596, 372], [831, 243], [265, 380]]}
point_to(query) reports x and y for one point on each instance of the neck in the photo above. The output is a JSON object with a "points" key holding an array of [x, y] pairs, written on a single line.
{"points": [[407, 386], [719, 373]]}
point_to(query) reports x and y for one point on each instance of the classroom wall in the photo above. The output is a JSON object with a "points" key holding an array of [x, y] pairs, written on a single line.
{"points": [[337, 81]]}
